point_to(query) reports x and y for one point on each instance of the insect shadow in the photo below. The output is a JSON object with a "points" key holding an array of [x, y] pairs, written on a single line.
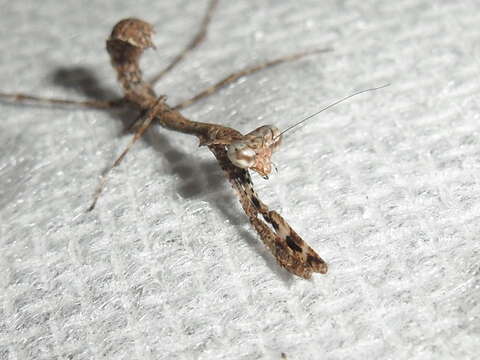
{"points": [[85, 82], [197, 178]]}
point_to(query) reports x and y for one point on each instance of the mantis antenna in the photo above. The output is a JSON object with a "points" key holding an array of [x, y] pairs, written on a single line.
{"points": [[329, 106]]}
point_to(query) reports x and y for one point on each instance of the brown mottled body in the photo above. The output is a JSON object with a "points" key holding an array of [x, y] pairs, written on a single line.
{"points": [[290, 250], [286, 245], [129, 38]]}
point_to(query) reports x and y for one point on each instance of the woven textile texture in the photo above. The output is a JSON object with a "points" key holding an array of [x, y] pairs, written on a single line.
{"points": [[386, 186]]}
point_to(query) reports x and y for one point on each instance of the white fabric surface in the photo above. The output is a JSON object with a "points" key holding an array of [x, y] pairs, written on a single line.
{"points": [[385, 187]]}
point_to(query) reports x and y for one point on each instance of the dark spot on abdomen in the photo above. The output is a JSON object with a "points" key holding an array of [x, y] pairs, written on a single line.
{"points": [[292, 244], [255, 202], [313, 260], [275, 225]]}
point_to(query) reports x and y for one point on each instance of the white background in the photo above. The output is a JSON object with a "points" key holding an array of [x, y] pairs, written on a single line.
{"points": [[385, 187]]}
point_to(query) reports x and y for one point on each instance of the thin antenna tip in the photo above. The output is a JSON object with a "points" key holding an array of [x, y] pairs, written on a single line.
{"points": [[381, 86], [333, 104]]}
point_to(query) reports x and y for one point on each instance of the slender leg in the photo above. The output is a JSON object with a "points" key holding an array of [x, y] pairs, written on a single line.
{"points": [[141, 126], [193, 43], [291, 251], [247, 71], [18, 97], [144, 125]]}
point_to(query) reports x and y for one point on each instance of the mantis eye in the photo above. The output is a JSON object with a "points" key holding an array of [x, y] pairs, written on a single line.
{"points": [[255, 150], [241, 155]]}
